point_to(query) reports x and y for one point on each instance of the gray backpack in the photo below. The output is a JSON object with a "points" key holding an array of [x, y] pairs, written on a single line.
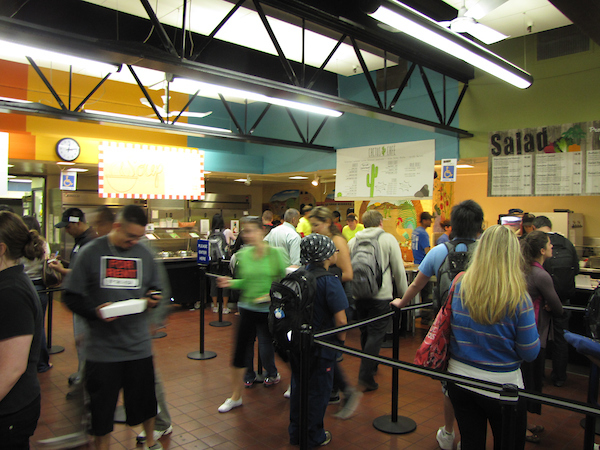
{"points": [[366, 265]]}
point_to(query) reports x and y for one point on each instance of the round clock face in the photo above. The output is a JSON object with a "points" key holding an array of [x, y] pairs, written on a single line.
{"points": [[68, 149]]}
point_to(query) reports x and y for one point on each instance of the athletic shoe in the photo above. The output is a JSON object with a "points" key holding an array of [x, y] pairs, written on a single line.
{"points": [[445, 439], [351, 403], [249, 380], [327, 439], [157, 434], [226, 311], [156, 446], [288, 393], [215, 309], [73, 440], [334, 397], [272, 381], [229, 404]]}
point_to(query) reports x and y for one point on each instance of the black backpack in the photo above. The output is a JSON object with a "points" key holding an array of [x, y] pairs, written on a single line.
{"points": [[454, 263], [217, 246], [292, 304], [592, 315], [562, 266], [366, 266]]}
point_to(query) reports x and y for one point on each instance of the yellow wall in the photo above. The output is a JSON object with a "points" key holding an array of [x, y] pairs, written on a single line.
{"points": [[474, 187]]}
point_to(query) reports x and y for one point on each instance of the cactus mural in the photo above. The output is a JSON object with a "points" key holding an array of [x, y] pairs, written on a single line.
{"points": [[374, 172]]}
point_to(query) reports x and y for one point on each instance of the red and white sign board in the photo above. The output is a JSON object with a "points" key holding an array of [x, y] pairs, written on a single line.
{"points": [[128, 170]]}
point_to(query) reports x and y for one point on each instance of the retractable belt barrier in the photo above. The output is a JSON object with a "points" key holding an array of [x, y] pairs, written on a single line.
{"points": [[509, 393]]}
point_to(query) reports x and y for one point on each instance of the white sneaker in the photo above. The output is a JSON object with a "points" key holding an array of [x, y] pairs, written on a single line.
{"points": [[445, 439], [226, 311], [288, 393], [156, 446], [229, 404], [215, 309], [351, 403], [157, 434]]}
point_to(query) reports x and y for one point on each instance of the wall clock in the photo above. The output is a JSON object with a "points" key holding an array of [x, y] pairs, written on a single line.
{"points": [[68, 149]]}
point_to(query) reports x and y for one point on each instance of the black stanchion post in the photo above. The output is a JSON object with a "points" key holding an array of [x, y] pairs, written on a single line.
{"points": [[305, 357], [52, 349], [509, 398], [394, 424], [200, 355], [592, 398]]}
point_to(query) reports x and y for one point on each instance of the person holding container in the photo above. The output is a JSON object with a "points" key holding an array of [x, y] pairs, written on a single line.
{"points": [[20, 333], [493, 331], [258, 265]]}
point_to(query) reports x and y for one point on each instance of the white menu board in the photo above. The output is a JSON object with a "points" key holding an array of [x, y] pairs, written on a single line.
{"points": [[558, 173], [592, 172], [390, 171], [511, 176]]}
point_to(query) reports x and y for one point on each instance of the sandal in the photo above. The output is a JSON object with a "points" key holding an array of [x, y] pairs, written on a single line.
{"points": [[533, 438], [536, 429]]}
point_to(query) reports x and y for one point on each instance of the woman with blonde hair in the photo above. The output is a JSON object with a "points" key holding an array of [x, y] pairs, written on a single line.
{"points": [[493, 331]]}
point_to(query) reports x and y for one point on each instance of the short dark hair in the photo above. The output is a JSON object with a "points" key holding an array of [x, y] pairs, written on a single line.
{"points": [[532, 244], [8, 208], [351, 216], [337, 214], [132, 214], [372, 218], [542, 221], [32, 223], [466, 219], [104, 215], [306, 209]]}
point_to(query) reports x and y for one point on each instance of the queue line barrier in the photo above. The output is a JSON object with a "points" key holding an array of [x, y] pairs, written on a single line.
{"points": [[509, 394], [52, 349]]}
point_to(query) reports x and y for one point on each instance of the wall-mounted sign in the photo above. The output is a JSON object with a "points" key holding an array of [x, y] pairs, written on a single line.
{"points": [[390, 171], [552, 160], [147, 171], [449, 170], [68, 181]]}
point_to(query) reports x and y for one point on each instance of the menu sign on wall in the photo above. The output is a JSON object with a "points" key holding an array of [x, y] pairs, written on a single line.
{"points": [[146, 171], [554, 160], [390, 171]]}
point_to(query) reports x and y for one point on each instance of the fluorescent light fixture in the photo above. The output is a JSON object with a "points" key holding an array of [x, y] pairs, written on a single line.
{"points": [[192, 86], [10, 165], [65, 163], [76, 169], [19, 180], [18, 51], [464, 166], [206, 171], [11, 176], [156, 121], [241, 180], [17, 100], [298, 177], [421, 27]]}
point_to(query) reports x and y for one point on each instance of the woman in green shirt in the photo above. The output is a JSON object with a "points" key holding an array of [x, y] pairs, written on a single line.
{"points": [[258, 265]]}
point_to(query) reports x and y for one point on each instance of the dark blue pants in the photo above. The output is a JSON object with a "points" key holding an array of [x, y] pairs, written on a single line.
{"points": [[319, 388], [371, 335], [44, 360], [560, 347]]}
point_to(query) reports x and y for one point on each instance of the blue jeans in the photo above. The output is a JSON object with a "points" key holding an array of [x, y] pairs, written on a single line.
{"points": [[371, 335], [319, 388], [44, 360]]}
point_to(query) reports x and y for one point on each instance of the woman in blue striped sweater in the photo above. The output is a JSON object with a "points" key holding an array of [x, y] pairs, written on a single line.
{"points": [[493, 331]]}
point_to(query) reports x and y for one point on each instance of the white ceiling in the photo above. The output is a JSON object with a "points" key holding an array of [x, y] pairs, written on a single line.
{"points": [[515, 16]]}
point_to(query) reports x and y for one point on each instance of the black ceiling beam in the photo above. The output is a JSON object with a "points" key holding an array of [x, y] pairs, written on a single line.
{"points": [[92, 92], [124, 53], [231, 115], [38, 109], [164, 37], [145, 92], [366, 72], [431, 95], [47, 83], [402, 86], [585, 14], [187, 105], [320, 71]]}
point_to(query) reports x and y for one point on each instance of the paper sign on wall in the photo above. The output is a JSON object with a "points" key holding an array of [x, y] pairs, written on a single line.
{"points": [[449, 170], [390, 171], [147, 171]]}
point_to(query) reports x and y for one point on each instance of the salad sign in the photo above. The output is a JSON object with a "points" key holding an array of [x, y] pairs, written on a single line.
{"points": [[552, 160]]}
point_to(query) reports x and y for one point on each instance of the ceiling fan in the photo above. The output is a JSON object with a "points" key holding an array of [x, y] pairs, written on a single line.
{"points": [[163, 111], [466, 21]]}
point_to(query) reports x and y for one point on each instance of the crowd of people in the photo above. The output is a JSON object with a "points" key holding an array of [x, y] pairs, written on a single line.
{"points": [[507, 307]]}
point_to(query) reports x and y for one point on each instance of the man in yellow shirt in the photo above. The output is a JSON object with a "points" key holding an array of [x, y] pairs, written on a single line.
{"points": [[353, 226], [304, 228]]}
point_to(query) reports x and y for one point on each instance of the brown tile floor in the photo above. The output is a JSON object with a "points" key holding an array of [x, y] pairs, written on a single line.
{"points": [[195, 389]]}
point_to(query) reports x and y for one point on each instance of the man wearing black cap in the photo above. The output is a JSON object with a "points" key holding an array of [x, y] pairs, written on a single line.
{"points": [[73, 221], [420, 238]]}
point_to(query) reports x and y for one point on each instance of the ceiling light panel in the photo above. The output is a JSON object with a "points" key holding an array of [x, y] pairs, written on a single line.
{"points": [[245, 28]]}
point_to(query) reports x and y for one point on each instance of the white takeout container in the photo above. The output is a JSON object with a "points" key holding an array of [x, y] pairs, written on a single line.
{"points": [[124, 308]]}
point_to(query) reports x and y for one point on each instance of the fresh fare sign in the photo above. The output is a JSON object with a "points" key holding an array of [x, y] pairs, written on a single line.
{"points": [[550, 160]]}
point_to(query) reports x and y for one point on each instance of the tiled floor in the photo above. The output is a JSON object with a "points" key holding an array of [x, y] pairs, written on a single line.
{"points": [[195, 389]]}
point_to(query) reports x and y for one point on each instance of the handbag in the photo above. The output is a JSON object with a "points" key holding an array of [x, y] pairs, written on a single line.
{"points": [[434, 351], [50, 277]]}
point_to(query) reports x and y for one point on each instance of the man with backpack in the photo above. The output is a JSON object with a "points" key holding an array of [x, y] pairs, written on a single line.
{"points": [[562, 267], [327, 310], [377, 265], [446, 261]]}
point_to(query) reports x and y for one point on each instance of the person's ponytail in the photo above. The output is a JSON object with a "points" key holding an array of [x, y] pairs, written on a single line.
{"points": [[35, 247]]}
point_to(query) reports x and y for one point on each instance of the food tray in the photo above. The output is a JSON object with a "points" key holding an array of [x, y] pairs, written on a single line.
{"points": [[124, 308]]}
